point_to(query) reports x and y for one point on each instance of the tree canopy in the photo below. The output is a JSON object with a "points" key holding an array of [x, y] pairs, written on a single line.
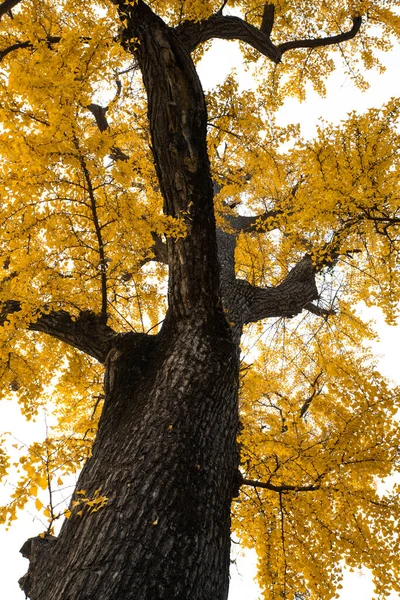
{"points": [[308, 229]]}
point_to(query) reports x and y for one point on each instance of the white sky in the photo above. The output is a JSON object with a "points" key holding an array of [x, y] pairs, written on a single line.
{"points": [[342, 97]]}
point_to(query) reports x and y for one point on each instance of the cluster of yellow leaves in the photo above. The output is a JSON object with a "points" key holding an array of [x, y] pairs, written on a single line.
{"points": [[39, 473], [319, 427], [78, 210], [93, 504]]}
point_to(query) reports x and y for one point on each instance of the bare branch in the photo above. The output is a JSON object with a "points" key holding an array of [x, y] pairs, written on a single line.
{"points": [[281, 488], [88, 333], [327, 41], [319, 310], [234, 28], [315, 392]]}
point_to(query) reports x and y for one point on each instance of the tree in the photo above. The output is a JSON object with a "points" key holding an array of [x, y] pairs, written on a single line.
{"points": [[116, 167]]}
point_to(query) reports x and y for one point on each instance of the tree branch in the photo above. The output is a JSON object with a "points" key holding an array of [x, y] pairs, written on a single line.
{"points": [[233, 28], [99, 113], [102, 258], [267, 22], [281, 488], [258, 224], [319, 310], [327, 41], [315, 392], [51, 39], [227, 28], [178, 126], [287, 299], [159, 249], [87, 333], [27, 44], [8, 5]]}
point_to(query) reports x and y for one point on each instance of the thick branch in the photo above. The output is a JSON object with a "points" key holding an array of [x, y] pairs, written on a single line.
{"points": [[228, 28], [327, 41], [178, 126], [234, 28], [99, 113], [267, 22], [319, 310], [7, 5], [87, 333], [287, 299]]}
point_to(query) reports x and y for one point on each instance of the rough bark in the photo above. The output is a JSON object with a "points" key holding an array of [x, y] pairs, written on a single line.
{"points": [[166, 458], [178, 126], [165, 453]]}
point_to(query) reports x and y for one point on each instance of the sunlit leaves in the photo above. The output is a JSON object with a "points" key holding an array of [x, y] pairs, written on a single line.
{"points": [[329, 430], [80, 212]]}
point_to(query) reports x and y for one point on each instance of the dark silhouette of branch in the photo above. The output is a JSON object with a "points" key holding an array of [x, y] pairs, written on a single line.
{"points": [[319, 310], [267, 22], [7, 6], [103, 265], [281, 488], [315, 392], [234, 28], [99, 113], [27, 44], [50, 40], [227, 28], [327, 41]]}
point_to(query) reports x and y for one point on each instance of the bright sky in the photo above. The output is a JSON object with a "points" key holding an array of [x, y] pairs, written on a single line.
{"points": [[342, 97]]}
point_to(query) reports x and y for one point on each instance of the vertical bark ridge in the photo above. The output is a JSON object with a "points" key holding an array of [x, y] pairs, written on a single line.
{"points": [[178, 125]]}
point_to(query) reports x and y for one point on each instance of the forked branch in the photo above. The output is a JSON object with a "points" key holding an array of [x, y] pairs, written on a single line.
{"points": [[234, 28], [8, 5]]}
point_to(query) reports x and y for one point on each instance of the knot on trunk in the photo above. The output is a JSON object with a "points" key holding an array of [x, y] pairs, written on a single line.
{"points": [[37, 551]]}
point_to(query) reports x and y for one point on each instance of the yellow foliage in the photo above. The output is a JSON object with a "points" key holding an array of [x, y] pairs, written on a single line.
{"points": [[80, 206]]}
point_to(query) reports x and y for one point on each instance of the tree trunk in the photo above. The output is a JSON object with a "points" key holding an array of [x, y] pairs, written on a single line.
{"points": [[166, 458], [165, 455]]}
